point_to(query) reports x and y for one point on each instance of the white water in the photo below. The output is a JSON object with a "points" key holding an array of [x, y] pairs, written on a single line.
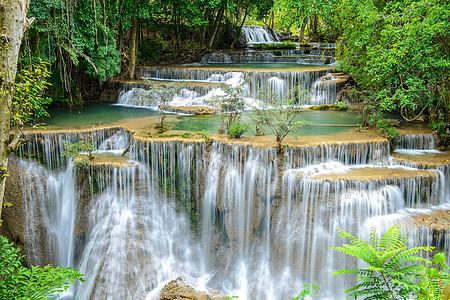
{"points": [[274, 56], [215, 217], [311, 89], [258, 34]]}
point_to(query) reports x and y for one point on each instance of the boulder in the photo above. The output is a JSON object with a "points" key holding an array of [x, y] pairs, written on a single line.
{"points": [[178, 289]]}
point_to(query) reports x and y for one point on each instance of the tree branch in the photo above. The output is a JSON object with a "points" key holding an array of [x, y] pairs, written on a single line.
{"points": [[86, 58], [17, 140]]}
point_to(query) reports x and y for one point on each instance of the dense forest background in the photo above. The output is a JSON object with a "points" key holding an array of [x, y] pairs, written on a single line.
{"points": [[397, 51]]}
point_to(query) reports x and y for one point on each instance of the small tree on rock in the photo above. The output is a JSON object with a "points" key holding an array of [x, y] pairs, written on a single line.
{"points": [[161, 96], [231, 104], [279, 113]]}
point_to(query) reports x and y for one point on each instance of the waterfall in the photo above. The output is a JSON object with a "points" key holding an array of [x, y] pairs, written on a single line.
{"points": [[279, 56], [258, 34], [361, 153], [48, 147], [323, 91], [415, 142], [277, 81], [134, 95], [238, 219]]}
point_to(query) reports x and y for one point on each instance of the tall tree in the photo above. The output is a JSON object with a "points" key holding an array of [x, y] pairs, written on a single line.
{"points": [[13, 24]]}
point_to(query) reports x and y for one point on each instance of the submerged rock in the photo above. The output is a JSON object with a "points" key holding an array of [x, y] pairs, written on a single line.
{"points": [[179, 289]]}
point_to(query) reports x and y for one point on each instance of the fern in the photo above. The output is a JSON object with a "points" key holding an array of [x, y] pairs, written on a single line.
{"points": [[393, 271]]}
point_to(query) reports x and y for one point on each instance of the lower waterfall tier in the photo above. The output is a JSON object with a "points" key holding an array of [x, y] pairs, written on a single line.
{"points": [[234, 219]]}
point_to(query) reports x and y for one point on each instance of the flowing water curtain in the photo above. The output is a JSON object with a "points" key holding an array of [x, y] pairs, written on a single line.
{"points": [[250, 232]]}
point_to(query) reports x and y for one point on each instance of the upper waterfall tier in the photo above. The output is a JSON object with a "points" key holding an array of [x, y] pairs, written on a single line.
{"points": [[258, 34], [278, 80], [301, 56]]}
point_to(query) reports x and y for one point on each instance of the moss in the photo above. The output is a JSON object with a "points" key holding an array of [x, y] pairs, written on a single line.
{"points": [[187, 135], [323, 107]]}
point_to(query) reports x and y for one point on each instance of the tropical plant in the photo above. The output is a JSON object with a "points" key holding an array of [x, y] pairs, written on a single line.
{"points": [[19, 282], [398, 53], [206, 134], [393, 270], [237, 129], [278, 113], [341, 105], [160, 95], [309, 290], [29, 102], [75, 149], [231, 104]]}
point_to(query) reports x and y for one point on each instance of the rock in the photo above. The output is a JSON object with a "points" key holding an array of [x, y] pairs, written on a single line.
{"points": [[395, 122], [178, 289], [192, 110]]}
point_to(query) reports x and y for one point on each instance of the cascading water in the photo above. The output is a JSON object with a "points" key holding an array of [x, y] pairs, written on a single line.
{"points": [[279, 82], [258, 34], [238, 219], [324, 91], [300, 56]]}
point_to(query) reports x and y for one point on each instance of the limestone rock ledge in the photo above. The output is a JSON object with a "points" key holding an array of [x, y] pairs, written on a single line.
{"points": [[178, 289]]}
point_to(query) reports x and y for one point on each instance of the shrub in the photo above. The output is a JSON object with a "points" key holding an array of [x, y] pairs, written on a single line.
{"points": [[278, 113], [206, 134], [237, 129], [75, 149], [275, 46], [341, 105], [231, 104], [19, 282], [309, 291]]}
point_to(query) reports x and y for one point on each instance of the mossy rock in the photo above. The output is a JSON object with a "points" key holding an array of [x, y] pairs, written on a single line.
{"points": [[323, 107]]}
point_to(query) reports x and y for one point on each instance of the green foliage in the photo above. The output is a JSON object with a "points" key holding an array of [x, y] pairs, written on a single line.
{"points": [[309, 290], [237, 129], [231, 104], [278, 113], [392, 271], [385, 128], [161, 96], [78, 39], [275, 46], [398, 52], [29, 102], [292, 15], [440, 127], [187, 135], [206, 134], [341, 105], [18, 282], [75, 149], [151, 49], [433, 280]]}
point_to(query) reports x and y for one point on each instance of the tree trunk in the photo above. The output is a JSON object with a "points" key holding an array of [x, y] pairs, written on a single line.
{"points": [[217, 26], [316, 34], [133, 49], [238, 34], [13, 23], [302, 29]]}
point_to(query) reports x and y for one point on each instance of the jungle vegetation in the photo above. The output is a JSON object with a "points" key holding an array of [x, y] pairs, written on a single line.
{"points": [[397, 51]]}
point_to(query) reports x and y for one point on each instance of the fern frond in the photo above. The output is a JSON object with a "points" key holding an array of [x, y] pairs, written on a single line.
{"points": [[360, 272]]}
